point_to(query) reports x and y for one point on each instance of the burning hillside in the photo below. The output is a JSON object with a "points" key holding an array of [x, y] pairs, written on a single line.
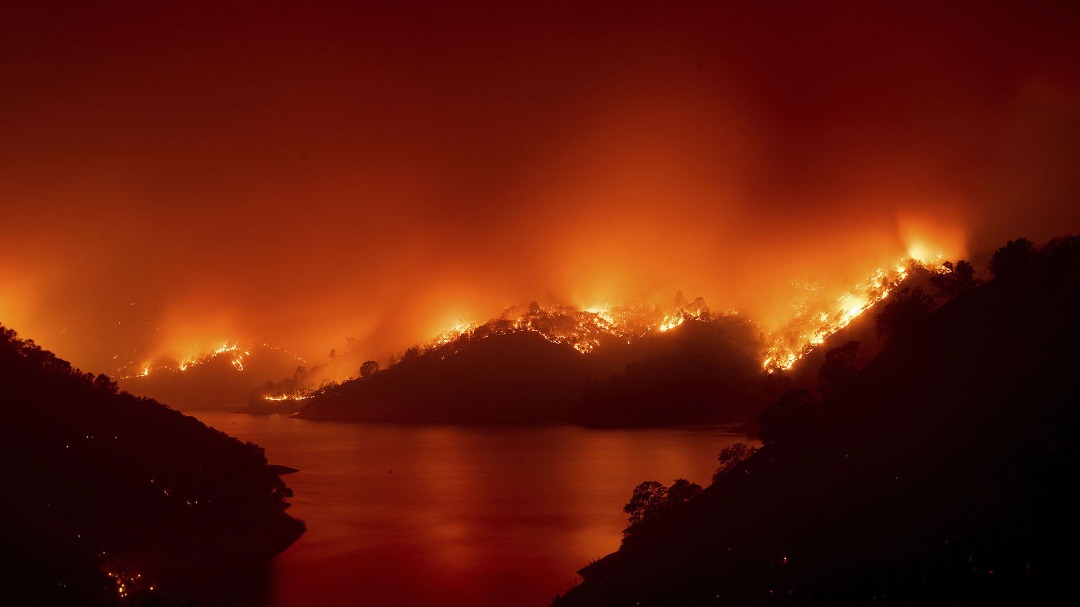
{"points": [[816, 316], [604, 334], [229, 350], [619, 365], [218, 378], [584, 330]]}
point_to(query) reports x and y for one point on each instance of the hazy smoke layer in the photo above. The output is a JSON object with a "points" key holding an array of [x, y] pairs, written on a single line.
{"points": [[173, 178]]}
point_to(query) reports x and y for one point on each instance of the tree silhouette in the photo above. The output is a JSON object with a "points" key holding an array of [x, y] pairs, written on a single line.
{"points": [[839, 367], [956, 279], [369, 368], [732, 456], [1012, 260], [903, 310], [945, 472], [99, 471], [681, 491], [648, 499], [652, 499]]}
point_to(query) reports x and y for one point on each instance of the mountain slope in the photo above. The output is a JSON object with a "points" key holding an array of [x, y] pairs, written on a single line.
{"points": [[219, 381], [511, 377], [111, 496], [525, 376], [945, 473], [699, 371]]}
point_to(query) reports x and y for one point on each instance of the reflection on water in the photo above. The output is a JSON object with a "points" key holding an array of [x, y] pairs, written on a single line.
{"points": [[447, 515]]}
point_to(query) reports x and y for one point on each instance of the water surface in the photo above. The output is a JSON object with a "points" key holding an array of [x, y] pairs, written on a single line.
{"points": [[406, 515]]}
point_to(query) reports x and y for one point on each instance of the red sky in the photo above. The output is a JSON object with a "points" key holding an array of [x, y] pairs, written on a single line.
{"points": [[300, 172]]}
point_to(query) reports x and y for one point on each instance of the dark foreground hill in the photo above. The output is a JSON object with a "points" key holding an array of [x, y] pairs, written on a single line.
{"points": [[945, 473], [111, 498]]}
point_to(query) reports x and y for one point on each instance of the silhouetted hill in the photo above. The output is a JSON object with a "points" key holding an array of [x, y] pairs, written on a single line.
{"points": [[109, 496], [700, 371], [863, 329], [217, 381], [513, 377], [946, 472]]}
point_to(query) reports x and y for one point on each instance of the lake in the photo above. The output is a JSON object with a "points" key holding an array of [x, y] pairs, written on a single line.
{"points": [[407, 515]]}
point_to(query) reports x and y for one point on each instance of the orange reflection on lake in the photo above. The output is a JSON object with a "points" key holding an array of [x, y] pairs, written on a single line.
{"points": [[404, 515]]}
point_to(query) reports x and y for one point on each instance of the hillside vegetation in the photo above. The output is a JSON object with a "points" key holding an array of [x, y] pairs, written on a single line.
{"points": [[705, 370], [943, 472], [110, 497]]}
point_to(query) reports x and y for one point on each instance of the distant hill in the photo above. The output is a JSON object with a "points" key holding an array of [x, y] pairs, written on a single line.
{"points": [[703, 370], [110, 497], [945, 472], [513, 377], [623, 366], [220, 380]]}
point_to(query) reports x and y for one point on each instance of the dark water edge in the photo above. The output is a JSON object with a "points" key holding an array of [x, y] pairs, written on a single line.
{"points": [[402, 514]]}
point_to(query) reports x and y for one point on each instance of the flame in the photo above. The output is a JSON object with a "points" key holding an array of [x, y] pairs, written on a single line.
{"points": [[287, 397], [808, 331], [924, 253], [584, 330], [187, 362], [462, 328], [670, 323]]}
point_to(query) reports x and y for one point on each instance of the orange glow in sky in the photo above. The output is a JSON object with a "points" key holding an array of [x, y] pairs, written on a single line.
{"points": [[175, 177]]}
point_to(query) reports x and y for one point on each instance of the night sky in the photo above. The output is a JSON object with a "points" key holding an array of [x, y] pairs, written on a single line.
{"points": [[178, 175]]}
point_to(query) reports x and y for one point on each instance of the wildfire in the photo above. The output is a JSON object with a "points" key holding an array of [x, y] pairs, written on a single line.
{"points": [[670, 323], [228, 348], [810, 329], [237, 355], [584, 330], [287, 397], [587, 329], [454, 333]]}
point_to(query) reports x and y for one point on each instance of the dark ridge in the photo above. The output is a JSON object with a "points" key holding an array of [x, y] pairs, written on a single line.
{"points": [[108, 494], [703, 371], [513, 377], [945, 472]]}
